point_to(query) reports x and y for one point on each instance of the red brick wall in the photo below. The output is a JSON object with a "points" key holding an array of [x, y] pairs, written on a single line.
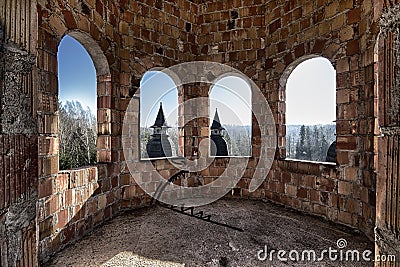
{"points": [[388, 202], [72, 203], [18, 168], [134, 37], [267, 40], [263, 39]]}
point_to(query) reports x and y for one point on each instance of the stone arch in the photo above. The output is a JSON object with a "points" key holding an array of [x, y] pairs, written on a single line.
{"points": [[92, 47], [61, 21], [283, 95], [143, 65], [167, 71], [57, 25], [140, 68], [66, 23], [289, 69], [65, 20], [55, 21], [103, 92], [239, 94], [166, 108]]}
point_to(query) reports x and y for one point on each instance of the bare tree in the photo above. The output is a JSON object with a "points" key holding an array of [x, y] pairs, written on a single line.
{"points": [[77, 135]]}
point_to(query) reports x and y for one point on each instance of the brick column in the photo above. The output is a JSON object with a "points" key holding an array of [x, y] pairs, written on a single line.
{"points": [[387, 239], [18, 135]]}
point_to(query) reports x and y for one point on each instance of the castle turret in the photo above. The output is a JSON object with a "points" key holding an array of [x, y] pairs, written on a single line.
{"points": [[159, 145], [220, 148]]}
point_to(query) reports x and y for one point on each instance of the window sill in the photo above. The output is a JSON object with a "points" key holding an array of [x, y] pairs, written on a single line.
{"points": [[309, 167], [162, 158], [177, 157], [321, 163], [227, 157], [78, 169]]}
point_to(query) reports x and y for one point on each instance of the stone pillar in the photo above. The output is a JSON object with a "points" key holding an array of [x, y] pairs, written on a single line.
{"points": [[18, 133], [387, 238], [16, 116]]}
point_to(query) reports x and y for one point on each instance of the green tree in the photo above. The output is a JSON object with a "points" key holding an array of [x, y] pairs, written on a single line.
{"points": [[309, 142], [300, 146], [308, 145]]}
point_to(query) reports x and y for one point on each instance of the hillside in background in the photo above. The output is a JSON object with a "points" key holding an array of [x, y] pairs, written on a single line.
{"points": [[77, 134], [309, 142], [238, 140]]}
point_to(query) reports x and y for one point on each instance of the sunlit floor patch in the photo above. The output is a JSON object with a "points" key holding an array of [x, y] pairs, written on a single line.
{"points": [[157, 236], [131, 259]]}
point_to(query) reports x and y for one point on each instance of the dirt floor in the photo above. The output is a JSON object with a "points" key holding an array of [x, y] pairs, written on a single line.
{"points": [[161, 237]]}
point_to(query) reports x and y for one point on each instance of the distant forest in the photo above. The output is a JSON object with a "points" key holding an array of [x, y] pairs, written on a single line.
{"points": [[78, 134], [309, 142], [238, 140], [302, 142]]}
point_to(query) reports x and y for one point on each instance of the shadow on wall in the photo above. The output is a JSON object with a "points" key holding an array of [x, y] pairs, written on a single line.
{"points": [[84, 198], [73, 202], [18, 154], [72, 210]]}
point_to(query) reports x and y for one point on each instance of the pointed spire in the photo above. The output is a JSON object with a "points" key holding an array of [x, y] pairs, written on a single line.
{"points": [[216, 122], [220, 148], [160, 120]]}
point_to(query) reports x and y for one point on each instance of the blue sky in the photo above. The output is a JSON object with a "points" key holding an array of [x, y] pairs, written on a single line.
{"points": [[76, 74], [157, 87], [310, 91], [232, 97]]}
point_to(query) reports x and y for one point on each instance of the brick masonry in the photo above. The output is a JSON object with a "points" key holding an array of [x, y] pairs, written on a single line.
{"points": [[263, 39], [18, 197], [268, 40], [387, 241]]}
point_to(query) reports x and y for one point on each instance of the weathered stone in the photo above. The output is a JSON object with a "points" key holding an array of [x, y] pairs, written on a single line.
{"points": [[16, 117], [265, 40], [18, 217]]}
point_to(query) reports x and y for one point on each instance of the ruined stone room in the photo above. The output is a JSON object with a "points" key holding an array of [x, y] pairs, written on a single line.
{"points": [[199, 133]]}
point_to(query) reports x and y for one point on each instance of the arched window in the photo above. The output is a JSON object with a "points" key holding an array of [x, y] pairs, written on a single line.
{"points": [[77, 105], [230, 117], [158, 116], [311, 111]]}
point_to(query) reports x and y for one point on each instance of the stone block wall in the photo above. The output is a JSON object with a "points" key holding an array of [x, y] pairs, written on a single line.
{"points": [[18, 140], [69, 208], [387, 239], [18, 197], [265, 40], [125, 39]]}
